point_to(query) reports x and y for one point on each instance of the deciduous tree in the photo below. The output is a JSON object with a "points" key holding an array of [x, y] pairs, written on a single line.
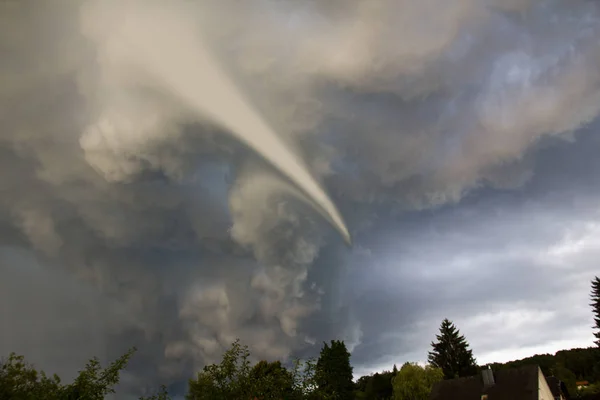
{"points": [[229, 380], [414, 382], [305, 384], [20, 380], [270, 380], [235, 379]]}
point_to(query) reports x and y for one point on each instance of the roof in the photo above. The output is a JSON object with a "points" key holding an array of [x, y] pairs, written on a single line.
{"points": [[554, 385], [510, 384], [557, 387]]}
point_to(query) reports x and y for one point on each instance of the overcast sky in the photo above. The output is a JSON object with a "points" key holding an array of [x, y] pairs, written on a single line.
{"points": [[458, 138]]}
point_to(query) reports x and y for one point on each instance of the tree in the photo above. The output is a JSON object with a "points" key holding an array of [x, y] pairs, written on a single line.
{"points": [[270, 380], [596, 307], [377, 386], [334, 373], [361, 387], [451, 353], [414, 382], [303, 376], [593, 389], [380, 386], [162, 394], [565, 375], [229, 380], [20, 380], [94, 383], [235, 379]]}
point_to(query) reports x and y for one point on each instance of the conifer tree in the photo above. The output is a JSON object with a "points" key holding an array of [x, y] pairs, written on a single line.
{"points": [[451, 353], [334, 372], [596, 307]]}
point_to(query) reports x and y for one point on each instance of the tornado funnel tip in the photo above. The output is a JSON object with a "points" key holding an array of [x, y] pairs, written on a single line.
{"points": [[348, 241], [347, 238]]}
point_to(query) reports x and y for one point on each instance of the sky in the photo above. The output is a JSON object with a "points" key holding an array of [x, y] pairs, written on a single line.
{"points": [[457, 138]]}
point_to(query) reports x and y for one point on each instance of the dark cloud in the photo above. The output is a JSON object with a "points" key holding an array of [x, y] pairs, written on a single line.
{"points": [[512, 264], [462, 153]]}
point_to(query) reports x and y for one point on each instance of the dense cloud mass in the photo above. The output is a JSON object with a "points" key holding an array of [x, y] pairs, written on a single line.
{"points": [[458, 139]]}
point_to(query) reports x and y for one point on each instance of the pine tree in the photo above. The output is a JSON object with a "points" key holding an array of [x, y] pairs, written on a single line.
{"points": [[451, 353], [334, 372], [596, 307]]}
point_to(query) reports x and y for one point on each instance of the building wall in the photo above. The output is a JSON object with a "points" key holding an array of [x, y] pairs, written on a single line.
{"points": [[543, 388]]}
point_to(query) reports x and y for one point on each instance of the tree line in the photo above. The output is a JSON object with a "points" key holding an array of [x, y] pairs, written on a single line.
{"points": [[328, 377]]}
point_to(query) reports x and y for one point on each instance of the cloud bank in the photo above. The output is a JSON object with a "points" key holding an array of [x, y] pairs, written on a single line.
{"points": [[128, 218]]}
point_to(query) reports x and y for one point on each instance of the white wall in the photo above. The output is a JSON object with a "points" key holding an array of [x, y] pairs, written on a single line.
{"points": [[543, 388]]}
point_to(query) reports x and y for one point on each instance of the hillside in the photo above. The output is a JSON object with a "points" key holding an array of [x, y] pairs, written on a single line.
{"points": [[570, 366]]}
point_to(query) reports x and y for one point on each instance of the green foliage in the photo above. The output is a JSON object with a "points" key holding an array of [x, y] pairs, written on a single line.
{"points": [[545, 361], [451, 353], [377, 386], [565, 375], [595, 296], [333, 373], [228, 380], [414, 382], [329, 378], [583, 363], [360, 387], [303, 376], [589, 390], [161, 395], [94, 383], [271, 381], [21, 381], [234, 378]]}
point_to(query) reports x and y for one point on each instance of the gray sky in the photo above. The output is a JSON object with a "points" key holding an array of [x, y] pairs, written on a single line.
{"points": [[459, 140]]}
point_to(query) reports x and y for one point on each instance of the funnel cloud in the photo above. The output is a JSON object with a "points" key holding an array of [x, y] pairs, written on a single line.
{"points": [[168, 49]]}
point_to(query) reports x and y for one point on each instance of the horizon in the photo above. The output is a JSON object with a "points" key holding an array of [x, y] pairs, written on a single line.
{"points": [[490, 359]]}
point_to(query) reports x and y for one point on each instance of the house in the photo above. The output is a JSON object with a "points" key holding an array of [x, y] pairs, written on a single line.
{"points": [[524, 383], [558, 388], [582, 384]]}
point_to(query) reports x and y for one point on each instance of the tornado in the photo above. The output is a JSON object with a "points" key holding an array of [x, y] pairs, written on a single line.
{"points": [[182, 64]]}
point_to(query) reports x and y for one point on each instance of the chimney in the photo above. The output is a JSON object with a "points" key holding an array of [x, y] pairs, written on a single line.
{"points": [[488, 377]]}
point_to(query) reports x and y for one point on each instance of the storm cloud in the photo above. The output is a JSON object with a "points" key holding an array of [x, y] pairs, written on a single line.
{"points": [[459, 140]]}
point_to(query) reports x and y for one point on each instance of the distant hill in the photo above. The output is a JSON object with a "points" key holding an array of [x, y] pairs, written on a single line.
{"points": [[570, 366]]}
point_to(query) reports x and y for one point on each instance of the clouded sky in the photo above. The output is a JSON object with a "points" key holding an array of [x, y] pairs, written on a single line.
{"points": [[458, 138]]}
